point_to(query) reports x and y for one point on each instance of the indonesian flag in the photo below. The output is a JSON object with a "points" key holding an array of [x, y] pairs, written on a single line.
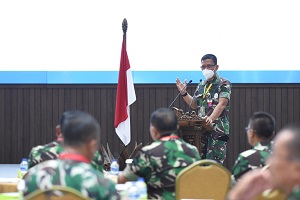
{"points": [[125, 97]]}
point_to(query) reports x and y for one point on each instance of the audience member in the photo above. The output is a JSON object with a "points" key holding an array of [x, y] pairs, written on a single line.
{"points": [[283, 173], [81, 133], [51, 151], [260, 131], [160, 162]]}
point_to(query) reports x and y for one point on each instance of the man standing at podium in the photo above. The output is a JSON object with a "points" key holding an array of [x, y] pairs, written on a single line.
{"points": [[211, 99]]}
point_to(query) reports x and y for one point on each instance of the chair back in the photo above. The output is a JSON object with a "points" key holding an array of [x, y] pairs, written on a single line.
{"points": [[55, 193], [204, 179], [272, 195]]}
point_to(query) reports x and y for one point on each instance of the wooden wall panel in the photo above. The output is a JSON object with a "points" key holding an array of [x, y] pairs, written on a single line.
{"points": [[32, 125], [296, 105], [6, 131], [29, 113], [14, 125], [3, 136]]}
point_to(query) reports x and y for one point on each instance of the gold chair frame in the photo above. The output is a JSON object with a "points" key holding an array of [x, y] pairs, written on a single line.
{"points": [[49, 194], [204, 179]]}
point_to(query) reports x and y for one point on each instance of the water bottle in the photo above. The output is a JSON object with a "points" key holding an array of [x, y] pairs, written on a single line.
{"points": [[114, 167], [133, 192], [23, 167], [142, 188]]}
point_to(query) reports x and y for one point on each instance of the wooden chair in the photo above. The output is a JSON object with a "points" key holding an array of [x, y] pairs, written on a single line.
{"points": [[56, 192], [272, 195], [204, 179]]}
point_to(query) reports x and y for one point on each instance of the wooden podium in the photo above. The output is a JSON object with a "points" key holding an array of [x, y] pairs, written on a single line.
{"points": [[191, 127]]}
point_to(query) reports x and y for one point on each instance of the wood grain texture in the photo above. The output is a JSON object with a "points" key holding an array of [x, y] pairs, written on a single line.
{"points": [[29, 113]]}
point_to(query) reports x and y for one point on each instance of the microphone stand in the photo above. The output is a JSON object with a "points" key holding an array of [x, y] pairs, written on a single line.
{"points": [[193, 97], [180, 93]]}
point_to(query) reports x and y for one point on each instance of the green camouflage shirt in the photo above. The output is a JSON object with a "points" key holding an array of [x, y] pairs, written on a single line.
{"points": [[220, 88], [51, 151], [77, 175], [159, 163], [251, 159], [295, 195]]}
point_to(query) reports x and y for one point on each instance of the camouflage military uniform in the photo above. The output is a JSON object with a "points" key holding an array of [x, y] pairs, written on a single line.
{"points": [[51, 151], [159, 163], [251, 159], [74, 174], [42, 153], [295, 195], [213, 143]]}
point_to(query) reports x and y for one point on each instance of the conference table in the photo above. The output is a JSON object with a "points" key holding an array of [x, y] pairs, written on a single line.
{"points": [[8, 178], [9, 185], [10, 196], [9, 181], [8, 188]]}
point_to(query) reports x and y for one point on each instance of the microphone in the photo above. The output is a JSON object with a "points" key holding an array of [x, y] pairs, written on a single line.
{"points": [[180, 92], [197, 89]]}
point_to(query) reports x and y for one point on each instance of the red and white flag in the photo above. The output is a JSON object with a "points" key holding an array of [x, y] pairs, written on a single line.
{"points": [[125, 97]]}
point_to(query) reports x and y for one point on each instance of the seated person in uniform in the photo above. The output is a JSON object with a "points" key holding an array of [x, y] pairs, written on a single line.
{"points": [[283, 172], [260, 132], [81, 133], [161, 161], [51, 151], [45, 152]]}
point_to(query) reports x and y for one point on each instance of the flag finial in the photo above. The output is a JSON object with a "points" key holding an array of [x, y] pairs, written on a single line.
{"points": [[124, 25]]}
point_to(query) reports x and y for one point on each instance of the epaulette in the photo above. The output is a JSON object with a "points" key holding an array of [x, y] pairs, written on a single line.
{"points": [[224, 81]]}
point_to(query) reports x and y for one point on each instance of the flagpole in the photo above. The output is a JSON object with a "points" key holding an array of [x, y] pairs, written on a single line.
{"points": [[125, 94], [124, 27]]}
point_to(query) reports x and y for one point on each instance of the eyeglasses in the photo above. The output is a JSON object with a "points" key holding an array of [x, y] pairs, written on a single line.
{"points": [[208, 66], [247, 129]]}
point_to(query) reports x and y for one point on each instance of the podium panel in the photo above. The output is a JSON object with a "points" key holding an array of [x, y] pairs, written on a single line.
{"points": [[191, 127]]}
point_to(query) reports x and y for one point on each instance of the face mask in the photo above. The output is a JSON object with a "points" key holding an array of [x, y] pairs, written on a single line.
{"points": [[208, 73]]}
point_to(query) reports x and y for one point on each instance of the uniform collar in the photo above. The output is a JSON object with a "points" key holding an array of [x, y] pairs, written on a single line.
{"points": [[168, 137], [73, 156], [262, 145]]}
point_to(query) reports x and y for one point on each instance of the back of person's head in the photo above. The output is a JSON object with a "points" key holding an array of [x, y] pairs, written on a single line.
{"points": [[164, 120], [263, 125], [63, 117], [58, 130], [79, 128], [293, 145], [210, 56]]}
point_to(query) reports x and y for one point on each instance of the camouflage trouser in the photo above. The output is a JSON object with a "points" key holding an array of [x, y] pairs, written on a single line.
{"points": [[213, 146]]}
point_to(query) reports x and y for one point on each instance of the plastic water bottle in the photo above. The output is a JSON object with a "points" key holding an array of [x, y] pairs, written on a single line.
{"points": [[114, 167], [23, 166], [134, 192], [142, 188]]}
